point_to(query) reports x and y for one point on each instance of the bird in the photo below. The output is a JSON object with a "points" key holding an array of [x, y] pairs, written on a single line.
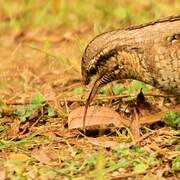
{"points": [[148, 52]]}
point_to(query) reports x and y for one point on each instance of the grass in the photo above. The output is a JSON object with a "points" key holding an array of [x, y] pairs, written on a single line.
{"points": [[41, 45]]}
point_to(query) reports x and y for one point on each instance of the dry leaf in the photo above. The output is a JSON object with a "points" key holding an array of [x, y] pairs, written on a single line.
{"points": [[42, 156], [104, 116], [96, 116], [14, 129]]}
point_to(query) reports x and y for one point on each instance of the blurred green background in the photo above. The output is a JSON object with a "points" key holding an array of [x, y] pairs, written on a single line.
{"points": [[102, 15]]}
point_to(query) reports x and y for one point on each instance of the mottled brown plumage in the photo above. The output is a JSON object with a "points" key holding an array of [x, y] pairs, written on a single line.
{"points": [[149, 53]]}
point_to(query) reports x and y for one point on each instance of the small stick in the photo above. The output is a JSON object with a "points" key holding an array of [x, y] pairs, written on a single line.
{"points": [[99, 97]]}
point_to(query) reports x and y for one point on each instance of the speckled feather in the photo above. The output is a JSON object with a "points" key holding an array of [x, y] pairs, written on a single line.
{"points": [[149, 52]]}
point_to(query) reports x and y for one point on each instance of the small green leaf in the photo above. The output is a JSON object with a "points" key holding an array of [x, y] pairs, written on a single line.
{"points": [[23, 112], [122, 150], [91, 160], [104, 90], [152, 161], [138, 150], [20, 111], [140, 168], [135, 86], [118, 89], [176, 164], [124, 163], [78, 90], [51, 112], [177, 148], [172, 119], [38, 100], [112, 166], [2, 128]]}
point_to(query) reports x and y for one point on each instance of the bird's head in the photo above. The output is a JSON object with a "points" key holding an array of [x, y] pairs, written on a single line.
{"points": [[100, 59]]}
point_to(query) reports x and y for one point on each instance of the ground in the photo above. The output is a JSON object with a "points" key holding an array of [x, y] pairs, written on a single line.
{"points": [[41, 45]]}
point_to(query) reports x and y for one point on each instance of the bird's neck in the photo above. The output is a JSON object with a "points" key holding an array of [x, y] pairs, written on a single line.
{"points": [[133, 67]]}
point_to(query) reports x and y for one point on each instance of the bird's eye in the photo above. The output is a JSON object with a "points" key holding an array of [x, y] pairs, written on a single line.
{"points": [[92, 70]]}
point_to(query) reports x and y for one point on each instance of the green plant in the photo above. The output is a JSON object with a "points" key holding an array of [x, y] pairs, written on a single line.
{"points": [[78, 90], [37, 103], [172, 119], [136, 159], [135, 86], [118, 89], [176, 164], [99, 172]]}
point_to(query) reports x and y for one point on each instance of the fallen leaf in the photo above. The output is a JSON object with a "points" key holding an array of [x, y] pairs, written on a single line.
{"points": [[104, 116], [140, 168], [42, 156], [14, 129], [96, 116]]}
